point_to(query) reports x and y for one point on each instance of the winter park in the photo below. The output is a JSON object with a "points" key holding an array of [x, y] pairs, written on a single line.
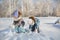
{"points": [[48, 30], [29, 19]]}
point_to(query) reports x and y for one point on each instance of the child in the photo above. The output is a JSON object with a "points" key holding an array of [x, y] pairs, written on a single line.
{"points": [[33, 24], [18, 22]]}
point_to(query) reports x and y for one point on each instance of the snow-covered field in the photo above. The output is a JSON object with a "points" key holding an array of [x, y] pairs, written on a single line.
{"points": [[48, 30]]}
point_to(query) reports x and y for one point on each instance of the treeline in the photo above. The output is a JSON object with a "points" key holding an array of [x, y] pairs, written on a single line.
{"points": [[36, 8]]}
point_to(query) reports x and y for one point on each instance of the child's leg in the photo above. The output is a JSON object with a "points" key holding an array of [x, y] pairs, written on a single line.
{"points": [[38, 30], [18, 29]]}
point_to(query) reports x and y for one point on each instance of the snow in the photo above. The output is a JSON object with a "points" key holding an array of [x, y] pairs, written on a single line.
{"points": [[48, 30]]}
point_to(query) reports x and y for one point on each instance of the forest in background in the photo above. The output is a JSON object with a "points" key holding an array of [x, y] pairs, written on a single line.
{"points": [[38, 8]]}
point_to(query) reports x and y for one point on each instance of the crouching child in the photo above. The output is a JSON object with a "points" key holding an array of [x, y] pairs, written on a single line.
{"points": [[34, 24], [18, 22]]}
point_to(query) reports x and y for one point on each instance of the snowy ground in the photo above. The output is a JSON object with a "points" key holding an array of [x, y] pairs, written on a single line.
{"points": [[48, 30]]}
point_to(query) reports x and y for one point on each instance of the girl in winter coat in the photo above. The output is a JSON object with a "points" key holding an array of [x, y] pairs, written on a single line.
{"points": [[34, 24], [18, 22]]}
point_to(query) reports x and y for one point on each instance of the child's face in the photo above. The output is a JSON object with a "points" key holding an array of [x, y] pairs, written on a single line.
{"points": [[30, 22]]}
